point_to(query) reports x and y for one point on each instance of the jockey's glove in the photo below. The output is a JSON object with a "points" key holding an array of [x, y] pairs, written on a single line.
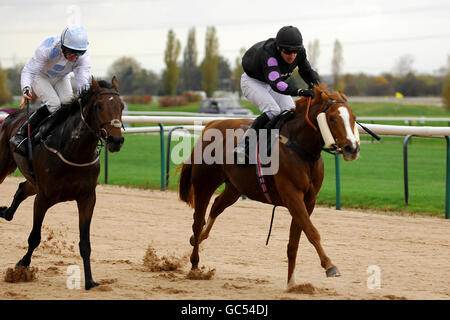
{"points": [[26, 90]]}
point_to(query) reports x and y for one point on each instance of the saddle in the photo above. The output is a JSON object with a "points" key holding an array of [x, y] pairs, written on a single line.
{"points": [[273, 127]]}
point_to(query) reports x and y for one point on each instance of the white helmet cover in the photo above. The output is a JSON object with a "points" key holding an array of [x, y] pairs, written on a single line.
{"points": [[75, 37]]}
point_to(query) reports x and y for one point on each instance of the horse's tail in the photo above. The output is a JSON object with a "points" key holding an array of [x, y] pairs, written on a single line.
{"points": [[185, 188]]}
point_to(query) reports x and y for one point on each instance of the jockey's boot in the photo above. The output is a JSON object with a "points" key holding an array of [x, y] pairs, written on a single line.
{"points": [[20, 138], [242, 148], [51, 122]]}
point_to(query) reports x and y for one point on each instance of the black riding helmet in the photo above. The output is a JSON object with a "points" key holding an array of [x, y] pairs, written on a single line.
{"points": [[289, 37]]}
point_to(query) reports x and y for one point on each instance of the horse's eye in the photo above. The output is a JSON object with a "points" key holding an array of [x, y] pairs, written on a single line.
{"points": [[332, 119], [100, 106]]}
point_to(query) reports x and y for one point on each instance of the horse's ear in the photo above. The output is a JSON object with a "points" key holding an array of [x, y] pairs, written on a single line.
{"points": [[115, 83], [343, 95], [95, 85]]}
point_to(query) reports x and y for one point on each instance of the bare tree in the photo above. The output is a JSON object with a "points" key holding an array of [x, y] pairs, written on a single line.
{"points": [[314, 53], [237, 72], [336, 66], [403, 66]]}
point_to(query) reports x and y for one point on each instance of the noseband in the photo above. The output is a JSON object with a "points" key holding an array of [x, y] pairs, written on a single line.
{"points": [[101, 133], [303, 153]]}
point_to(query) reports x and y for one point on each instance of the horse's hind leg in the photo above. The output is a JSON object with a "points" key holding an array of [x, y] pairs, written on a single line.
{"points": [[201, 201], [227, 198], [86, 210], [24, 190], [40, 208]]}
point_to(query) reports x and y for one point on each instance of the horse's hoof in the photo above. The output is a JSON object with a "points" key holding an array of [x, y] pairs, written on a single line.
{"points": [[191, 240], [23, 263], [91, 284], [3, 212], [333, 272]]}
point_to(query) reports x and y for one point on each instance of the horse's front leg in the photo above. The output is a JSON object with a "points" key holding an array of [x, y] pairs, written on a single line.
{"points": [[292, 248], [300, 215], [24, 190], [85, 211], [41, 206]]}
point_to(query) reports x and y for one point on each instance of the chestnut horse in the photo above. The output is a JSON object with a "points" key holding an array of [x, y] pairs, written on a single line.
{"points": [[66, 165], [296, 183]]}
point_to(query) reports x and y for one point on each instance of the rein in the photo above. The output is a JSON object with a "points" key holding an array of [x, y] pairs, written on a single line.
{"points": [[303, 153], [114, 123]]}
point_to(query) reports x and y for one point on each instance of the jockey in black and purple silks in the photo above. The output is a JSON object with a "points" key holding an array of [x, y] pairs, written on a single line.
{"points": [[267, 65]]}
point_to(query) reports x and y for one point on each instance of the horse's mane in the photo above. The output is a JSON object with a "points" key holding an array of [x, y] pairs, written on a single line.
{"points": [[321, 95], [87, 94]]}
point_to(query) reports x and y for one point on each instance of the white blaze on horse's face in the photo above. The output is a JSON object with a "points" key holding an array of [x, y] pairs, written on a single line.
{"points": [[343, 112]]}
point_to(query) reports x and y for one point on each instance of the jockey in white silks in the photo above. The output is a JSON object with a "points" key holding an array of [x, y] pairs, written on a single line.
{"points": [[47, 75]]}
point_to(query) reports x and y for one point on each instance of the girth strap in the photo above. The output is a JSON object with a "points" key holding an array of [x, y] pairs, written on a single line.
{"points": [[302, 153]]}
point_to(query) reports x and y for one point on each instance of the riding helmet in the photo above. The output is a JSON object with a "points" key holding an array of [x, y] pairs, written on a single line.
{"points": [[75, 37], [289, 37]]}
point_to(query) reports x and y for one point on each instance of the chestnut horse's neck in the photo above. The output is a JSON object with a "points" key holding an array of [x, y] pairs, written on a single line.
{"points": [[303, 130]]}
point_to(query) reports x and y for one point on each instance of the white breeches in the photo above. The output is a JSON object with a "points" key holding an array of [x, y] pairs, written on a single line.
{"points": [[53, 92], [264, 97]]}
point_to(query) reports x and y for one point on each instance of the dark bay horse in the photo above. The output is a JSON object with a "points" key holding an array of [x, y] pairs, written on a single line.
{"points": [[296, 183], [66, 166]]}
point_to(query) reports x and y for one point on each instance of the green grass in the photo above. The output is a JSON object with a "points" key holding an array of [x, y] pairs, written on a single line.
{"points": [[154, 106], [373, 181], [376, 181]]}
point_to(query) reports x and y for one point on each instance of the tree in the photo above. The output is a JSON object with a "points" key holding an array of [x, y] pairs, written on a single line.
{"points": [[170, 74], [209, 67], [336, 66], [379, 86], [314, 53], [5, 96], [224, 74], [147, 82], [125, 69], [14, 79], [190, 73], [446, 87], [403, 65], [237, 73]]}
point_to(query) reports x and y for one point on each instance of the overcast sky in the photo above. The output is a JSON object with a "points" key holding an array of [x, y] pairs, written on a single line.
{"points": [[374, 33]]}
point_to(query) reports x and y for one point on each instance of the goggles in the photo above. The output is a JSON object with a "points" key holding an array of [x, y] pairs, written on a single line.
{"points": [[290, 50], [72, 53]]}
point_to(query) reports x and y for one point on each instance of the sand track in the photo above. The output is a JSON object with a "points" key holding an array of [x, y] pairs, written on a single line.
{"points": [[412, 253]]}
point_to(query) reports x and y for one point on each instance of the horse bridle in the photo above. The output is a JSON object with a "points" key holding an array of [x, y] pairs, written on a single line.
{"points": [[115, 123], [303, 153]]}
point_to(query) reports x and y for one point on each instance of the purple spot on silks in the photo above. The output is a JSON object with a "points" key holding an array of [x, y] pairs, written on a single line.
{"points": [[282, 86], [274, 75], [272, 62]]}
